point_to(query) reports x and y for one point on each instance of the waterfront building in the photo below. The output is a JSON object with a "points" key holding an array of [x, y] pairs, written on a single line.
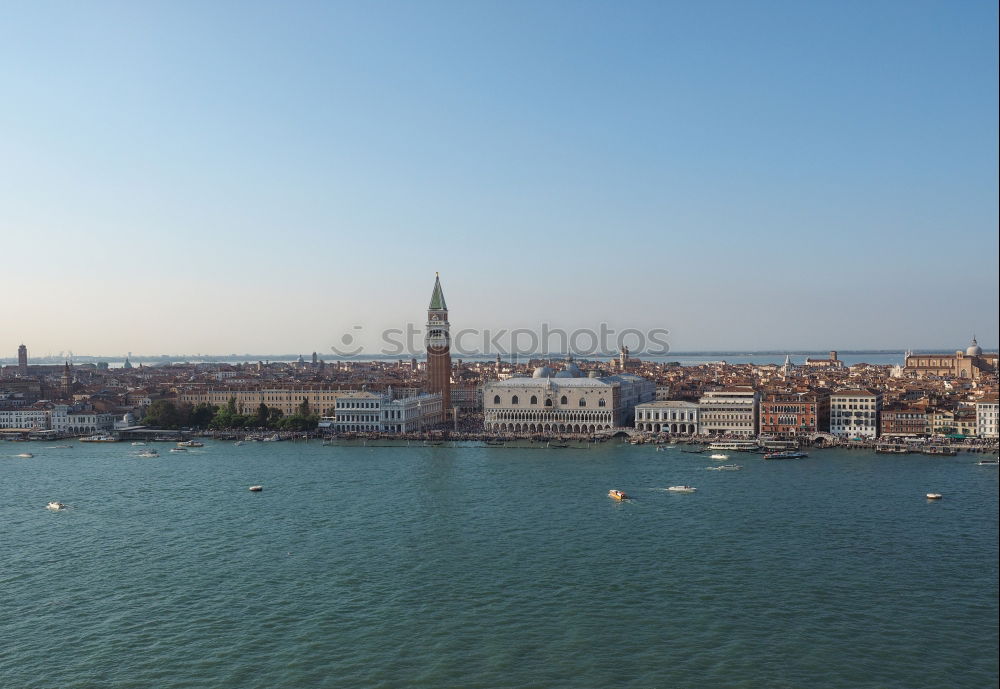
{"points": [[31, 418], [731, 411], [370, 412], [855, 413], [667, 416], [439, 345], [986, 418], [412, 414], [59, 417], [787, 414], [359, 411], [949, 421], [567, 401], [971, 363], [64, 419], [902, 420]]}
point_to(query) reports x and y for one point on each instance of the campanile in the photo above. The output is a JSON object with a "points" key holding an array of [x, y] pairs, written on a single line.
{"points": [[439, 347]]}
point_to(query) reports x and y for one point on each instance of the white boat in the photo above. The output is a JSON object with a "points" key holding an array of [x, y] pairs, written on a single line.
{"points": [[933, 496], [190, 443], [988, 462], [99, 439], [148, 453], [682, 489], [178, 449], [736, 445], [26, 455], [138, 444], [55, 506], [256, 489], [726, 467], [719, 456]]}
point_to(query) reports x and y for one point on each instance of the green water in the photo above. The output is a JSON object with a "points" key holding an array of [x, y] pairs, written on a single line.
{"points": [[471, 566]]}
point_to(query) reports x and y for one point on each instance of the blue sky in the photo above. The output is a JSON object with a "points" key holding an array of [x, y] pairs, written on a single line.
{"points": [[219, 177]]}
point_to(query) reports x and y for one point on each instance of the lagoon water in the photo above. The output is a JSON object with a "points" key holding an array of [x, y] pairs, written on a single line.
{"points": [[470, 566]]}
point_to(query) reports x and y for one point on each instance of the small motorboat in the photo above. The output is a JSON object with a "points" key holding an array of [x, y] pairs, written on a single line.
{"points": [[682, 489], [988, 462], [933, 496], [190, 443], [726, 467], [618, 494], [256, 489], [178, 449], [55, 506], [719, 456], [138, 444], [25, 455]]}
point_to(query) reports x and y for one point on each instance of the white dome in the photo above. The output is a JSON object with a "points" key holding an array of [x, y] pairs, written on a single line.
{"points": [[542, 372], [974, 349]]}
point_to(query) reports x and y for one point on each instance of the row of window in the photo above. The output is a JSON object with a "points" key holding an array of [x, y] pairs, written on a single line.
{"points": [[514, 400]]}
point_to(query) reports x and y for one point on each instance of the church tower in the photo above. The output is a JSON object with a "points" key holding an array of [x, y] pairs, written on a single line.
{"points": [[67, 382], [439, 347], [22, 361]]}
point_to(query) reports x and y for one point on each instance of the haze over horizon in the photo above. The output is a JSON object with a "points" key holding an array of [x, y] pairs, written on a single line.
{"points": [[266, 178]]}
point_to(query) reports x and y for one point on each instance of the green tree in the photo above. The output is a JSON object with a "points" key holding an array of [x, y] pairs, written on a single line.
{"points": [[203, 414], [162, 414], [303, 409], [260, 419]]}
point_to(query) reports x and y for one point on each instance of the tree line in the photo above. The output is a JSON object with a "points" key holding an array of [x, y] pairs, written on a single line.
{"points": [[166, 414]]}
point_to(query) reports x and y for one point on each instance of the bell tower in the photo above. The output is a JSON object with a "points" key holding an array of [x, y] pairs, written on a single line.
{"points": [[67, 382], [438, 342]]}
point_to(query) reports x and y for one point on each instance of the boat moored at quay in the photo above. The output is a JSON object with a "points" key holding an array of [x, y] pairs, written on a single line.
{"points": [[892, 450]]}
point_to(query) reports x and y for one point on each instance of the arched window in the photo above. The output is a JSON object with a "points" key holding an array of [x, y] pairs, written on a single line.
{"points": [[496, 399], [583, 402], [563, 400], [513, 400], [534, 400], [601, 403], [548, 403]]}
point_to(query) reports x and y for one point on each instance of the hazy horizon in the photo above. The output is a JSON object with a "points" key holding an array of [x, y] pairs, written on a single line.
{"points": [[798, 176], [506, 356]]}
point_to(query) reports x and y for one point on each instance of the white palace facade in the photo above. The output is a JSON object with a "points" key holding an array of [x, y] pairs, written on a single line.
{"points": [[565, 402]]}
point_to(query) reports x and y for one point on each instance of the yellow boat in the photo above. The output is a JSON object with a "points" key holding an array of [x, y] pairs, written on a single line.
{"points": [[617, 494]]}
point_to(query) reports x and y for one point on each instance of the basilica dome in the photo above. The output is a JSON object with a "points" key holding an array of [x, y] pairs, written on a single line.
{"points": [[542, 372], [974, 349]]}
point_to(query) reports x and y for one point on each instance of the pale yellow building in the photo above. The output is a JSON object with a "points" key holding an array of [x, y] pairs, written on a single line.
{"points": [[322, 402]]}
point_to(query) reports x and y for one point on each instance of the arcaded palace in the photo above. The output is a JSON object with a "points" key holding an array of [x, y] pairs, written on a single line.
{"points": [[567, 401]]}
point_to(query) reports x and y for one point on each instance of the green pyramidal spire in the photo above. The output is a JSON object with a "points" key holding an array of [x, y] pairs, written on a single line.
{"points": [[437, 298]]}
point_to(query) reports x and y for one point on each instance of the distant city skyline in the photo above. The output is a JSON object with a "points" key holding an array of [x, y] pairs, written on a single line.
{"points": [[262, 177]]}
